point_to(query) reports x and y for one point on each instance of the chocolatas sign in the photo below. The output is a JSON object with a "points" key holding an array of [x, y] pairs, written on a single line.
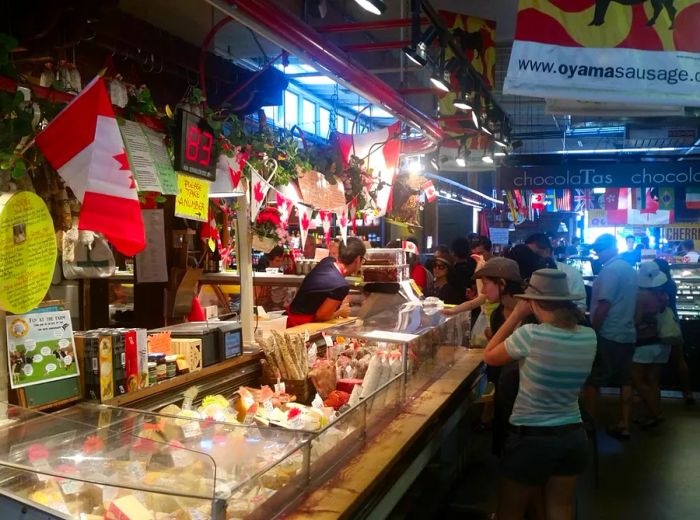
{"points": [[597, 175]]}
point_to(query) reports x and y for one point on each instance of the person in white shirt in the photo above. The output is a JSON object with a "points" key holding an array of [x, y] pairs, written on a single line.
{"points": [[687, 249], [573, 279]]}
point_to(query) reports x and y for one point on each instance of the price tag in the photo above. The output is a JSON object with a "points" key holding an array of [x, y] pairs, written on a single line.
{"points": [[297, 423], [327, 339], [70, 487], [280, 388], [267, 405], [191, 429], [181, 458]]}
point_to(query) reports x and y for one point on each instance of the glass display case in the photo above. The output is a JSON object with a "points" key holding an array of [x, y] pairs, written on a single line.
{"points": [[100, 462], [687, 280], [428, 338]]}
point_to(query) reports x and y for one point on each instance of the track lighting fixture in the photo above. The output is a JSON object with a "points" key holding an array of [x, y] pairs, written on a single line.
{"points": [[461, 162], [488, 156], [475, 119], [441, 80], [434, 163], [462, 102], [373, 6], [499, 140], [462, 153], [418, 52]]}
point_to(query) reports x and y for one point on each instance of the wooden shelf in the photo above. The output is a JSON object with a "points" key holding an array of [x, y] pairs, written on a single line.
{"points": [[184, 380]]}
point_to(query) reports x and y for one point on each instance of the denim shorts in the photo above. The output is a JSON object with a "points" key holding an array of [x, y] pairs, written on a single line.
{"points": [[533, 459]]}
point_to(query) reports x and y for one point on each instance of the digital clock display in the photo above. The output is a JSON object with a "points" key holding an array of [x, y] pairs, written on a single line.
{"points": [[194, 146]]}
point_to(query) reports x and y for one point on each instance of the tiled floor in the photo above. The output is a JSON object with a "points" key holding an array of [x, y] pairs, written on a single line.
{"points": [[656, 475]]}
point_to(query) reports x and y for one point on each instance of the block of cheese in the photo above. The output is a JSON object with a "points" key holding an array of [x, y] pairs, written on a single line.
{"points": [[128, 507]]}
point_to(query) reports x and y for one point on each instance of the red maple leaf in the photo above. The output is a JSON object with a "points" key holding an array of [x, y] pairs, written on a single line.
{"points": [[235, 176], [258, 192], [305, 221], [123, 161]]}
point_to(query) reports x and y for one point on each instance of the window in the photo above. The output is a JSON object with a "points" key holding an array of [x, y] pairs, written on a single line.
{"points": [[340, 124], [308, 116], [291, 109], [324, 122]]}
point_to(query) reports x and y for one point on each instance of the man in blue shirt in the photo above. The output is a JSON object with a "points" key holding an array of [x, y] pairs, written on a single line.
{"points": [[613, 303]]}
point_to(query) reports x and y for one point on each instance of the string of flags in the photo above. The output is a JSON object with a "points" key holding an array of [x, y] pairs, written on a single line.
{"points": [[259, 192]]}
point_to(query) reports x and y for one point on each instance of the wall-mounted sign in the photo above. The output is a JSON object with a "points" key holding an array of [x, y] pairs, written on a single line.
{"points": [[27, 251], [319, 193], [40, 348], [192, 201], [600, 175], [194, 146]]}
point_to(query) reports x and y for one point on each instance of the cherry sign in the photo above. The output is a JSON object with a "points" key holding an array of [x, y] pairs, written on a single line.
{"points": [[194, 146]]}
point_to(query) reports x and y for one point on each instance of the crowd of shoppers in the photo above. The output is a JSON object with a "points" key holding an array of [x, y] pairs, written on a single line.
{"points": [[544, 353]]}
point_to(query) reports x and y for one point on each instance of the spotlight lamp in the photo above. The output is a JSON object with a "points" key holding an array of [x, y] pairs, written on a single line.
{"points": [[475, 119], [488, 156], [418, 52], [373, 6], [462, 102], [441, 80], [434, 163]]}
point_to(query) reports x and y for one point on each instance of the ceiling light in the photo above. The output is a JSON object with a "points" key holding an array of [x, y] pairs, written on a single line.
{"points": [[475, 119], [373, 6], [434, 163], [462, 102], [487, 159], [486, 130], [439, 82], [461, 162], [416, 55], [499, 154]]}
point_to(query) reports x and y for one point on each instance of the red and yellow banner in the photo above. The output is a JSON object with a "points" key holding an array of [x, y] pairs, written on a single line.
{"points": [[627, 51], [477, 38]]}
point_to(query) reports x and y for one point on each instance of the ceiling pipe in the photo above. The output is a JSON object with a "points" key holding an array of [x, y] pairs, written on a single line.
{"points": [[375, 46], [286, 30], [368, 26]]}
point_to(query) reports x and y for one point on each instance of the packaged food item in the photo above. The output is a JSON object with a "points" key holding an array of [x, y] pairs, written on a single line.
{"points": [[170, 366], [323, 377], [131, 356], [385, 273], [106, 367], [385, 256]]}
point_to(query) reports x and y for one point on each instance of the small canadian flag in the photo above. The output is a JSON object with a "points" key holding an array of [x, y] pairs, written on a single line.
{"points": [[84, 145], [430, 191]]}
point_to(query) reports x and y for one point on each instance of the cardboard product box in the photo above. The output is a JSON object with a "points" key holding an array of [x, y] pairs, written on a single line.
{"points": [[119, 362], [191, 349], [106, 366], [87, 346], [131, 355], [142, 357]]}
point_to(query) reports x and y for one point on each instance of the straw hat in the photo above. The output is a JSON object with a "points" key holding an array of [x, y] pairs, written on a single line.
{"points": [[499, 267], [549, 285], [650, 276]]}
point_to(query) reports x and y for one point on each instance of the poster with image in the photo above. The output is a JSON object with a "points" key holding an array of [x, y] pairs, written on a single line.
{"points": [[40, 348]]}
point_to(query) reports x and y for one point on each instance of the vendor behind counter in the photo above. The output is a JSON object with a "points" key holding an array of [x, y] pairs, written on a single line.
{"points": [[322, 294]]}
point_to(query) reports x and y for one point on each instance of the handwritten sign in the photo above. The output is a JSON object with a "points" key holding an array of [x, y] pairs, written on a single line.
{"points": [[40, 348], [27, 251], [499, 235], [192, 201], [151, 264]]}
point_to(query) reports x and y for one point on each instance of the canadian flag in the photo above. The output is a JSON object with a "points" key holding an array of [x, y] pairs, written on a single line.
{"points": [[380, 152], [259, 188], [284, 206], [537, 200], [341, 215], [326, 223], [304, 212], [430, 191], [84, 145]]}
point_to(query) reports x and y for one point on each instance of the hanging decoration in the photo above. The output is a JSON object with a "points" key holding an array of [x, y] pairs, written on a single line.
{"points": [[84, 145], [305, 213], [342, 219], [326, 223], [259, 188], [284, 206]]}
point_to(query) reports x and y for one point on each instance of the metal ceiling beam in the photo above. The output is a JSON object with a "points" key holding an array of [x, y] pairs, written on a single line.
{"points": [[289, 32], [368, 26], [375, 46]]}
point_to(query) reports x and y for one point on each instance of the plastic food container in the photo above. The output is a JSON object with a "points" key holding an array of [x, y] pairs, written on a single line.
{"points": [[385, 273], [385, 256]]}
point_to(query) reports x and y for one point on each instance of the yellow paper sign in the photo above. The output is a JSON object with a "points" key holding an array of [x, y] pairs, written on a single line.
{"points": [[192, 201], [27, 251]]}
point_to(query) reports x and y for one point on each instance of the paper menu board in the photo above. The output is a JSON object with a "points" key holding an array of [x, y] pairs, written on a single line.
{"points": [[140, 158], [40, 348], [161, 161], [499, 235]]}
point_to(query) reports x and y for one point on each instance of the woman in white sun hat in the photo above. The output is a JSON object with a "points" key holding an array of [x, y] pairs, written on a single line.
{"points": [[546, 449], [650, 353]]}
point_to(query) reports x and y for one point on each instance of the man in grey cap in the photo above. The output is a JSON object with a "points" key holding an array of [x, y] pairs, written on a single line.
{"points": [[613, 302]]}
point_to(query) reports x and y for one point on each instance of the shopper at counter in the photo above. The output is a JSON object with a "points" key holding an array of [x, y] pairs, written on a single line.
{"points": [[322, 294], [687, 249], [532, 255], [573, 279], [547, 446], [272, 259], [651, 353], [613, 301], [464, 264], [442, 288]]}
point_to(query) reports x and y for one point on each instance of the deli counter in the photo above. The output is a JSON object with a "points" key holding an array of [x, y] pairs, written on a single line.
{"points": [[224, 452]]}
